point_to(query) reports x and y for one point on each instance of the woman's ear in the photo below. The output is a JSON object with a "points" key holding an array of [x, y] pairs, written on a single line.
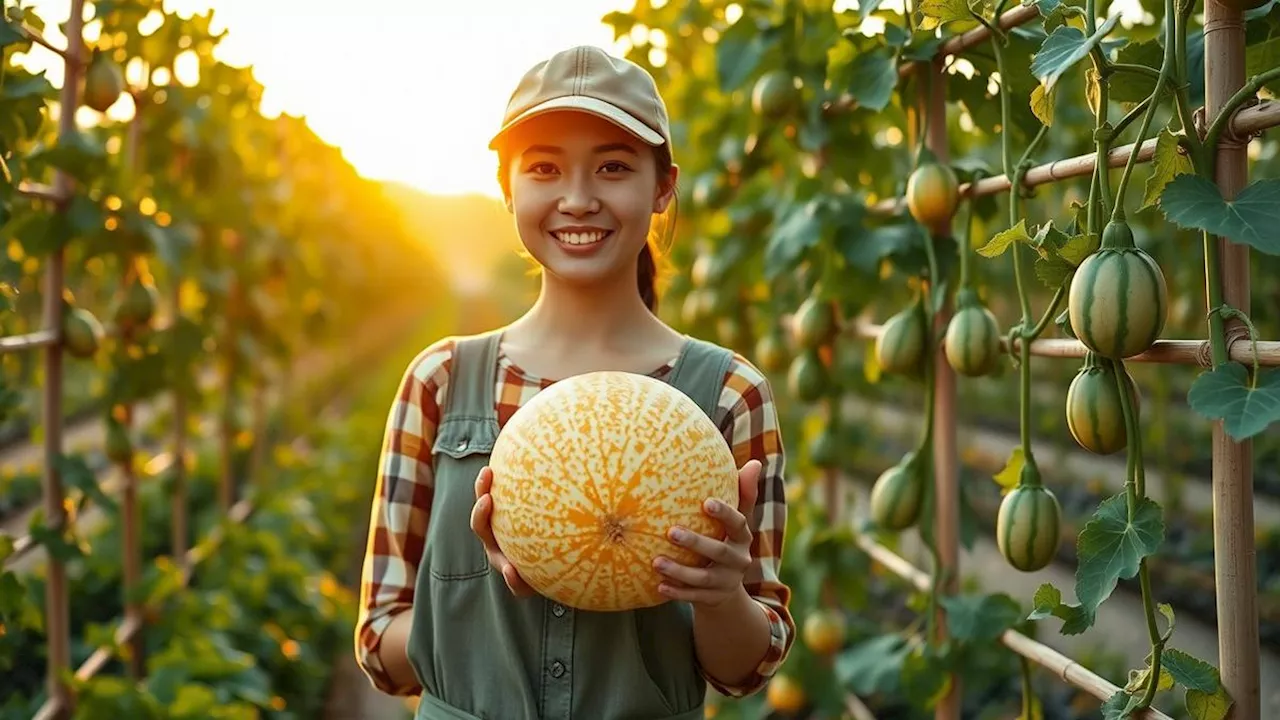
{"points": [[666, 189]]}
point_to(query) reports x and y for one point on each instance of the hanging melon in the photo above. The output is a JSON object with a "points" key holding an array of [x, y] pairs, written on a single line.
{"points": [[589, 476]]}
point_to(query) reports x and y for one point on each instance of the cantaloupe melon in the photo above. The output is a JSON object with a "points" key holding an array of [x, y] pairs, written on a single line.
{"points": [[590, 475]]}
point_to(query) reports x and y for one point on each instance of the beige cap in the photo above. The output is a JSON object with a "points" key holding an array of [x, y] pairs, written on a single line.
{"points": [[588, 79]]}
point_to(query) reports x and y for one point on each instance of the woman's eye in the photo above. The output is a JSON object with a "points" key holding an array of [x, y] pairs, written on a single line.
{"points": [[541, 168], [615, 167]]}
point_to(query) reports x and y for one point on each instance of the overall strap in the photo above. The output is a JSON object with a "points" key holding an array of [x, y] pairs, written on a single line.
{"points": [[472, 378], [699, 372]]}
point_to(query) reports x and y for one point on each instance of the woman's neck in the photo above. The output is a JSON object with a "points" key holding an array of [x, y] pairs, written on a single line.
{"points": [[571, 329]]}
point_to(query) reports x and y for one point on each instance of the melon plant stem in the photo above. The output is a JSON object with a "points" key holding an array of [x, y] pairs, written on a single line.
{"points": [[1162, 80], [1024, 345]]}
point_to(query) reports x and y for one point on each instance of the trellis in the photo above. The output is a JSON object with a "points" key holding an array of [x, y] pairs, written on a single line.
{"points": [[1238, 641], [177, 462]]}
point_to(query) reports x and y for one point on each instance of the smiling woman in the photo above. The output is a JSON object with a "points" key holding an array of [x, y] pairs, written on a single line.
{"points": [[585, 168]]}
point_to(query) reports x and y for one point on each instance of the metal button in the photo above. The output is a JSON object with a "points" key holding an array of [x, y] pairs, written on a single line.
{"points": [[557, 610], [557, 669], [462, 444]]}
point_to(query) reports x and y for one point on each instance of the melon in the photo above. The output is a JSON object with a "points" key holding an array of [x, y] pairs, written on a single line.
{"points": [[591, 474]]}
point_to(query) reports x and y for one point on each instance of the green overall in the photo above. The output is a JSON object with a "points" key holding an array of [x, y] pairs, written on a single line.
{"points": [[481, 652]]}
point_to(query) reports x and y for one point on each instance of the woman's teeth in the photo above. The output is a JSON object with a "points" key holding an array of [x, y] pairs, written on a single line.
{"points": [[578, 238]]}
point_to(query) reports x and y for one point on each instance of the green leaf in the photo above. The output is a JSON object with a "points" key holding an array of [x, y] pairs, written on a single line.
{"points": [[1048, 603], [1054, 271], [937, 13], [1111, 546], [1120, 705], [740, 50], [12, 598], [1167, 164], [77, 474], [1261, 57], [1003, 239], [872, 78], [1065, 47], [1079, 247], [1127, 87], [925, 677], [10, 35], [1189, 671], [1208, 706], [796, 232], [980, 618], [873, 666], [1225, 393], [1190, 201]]}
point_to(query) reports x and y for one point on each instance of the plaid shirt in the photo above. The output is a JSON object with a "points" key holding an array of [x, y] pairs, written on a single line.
{"points": [[398, 526]]}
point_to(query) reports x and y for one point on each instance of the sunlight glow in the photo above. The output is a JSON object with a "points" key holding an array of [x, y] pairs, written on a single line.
{"points": [[410, 91]]}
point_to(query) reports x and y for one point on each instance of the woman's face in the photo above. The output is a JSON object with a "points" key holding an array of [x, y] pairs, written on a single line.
{"points": [[583, 192]]}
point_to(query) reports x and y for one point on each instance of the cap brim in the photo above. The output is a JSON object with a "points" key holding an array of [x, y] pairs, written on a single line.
{"points": [[609, 112]]}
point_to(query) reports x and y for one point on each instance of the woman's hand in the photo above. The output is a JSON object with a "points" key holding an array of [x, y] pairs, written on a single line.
{"points": [[481, 513], [721, 580]]}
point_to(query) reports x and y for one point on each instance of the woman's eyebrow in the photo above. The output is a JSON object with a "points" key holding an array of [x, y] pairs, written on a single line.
{"points": [[608, 147]]}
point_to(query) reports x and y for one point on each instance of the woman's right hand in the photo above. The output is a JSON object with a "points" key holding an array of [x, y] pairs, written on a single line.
{"points": [[481, 513]]}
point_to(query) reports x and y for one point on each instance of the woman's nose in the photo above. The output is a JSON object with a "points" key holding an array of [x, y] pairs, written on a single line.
{"points": [[579, 198]]}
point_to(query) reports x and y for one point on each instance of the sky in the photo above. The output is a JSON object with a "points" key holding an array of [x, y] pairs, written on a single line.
{"points": [[411, 90]]}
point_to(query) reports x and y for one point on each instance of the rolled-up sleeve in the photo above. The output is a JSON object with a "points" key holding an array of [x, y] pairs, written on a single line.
{"points": [[751, 428], [401, 510]]}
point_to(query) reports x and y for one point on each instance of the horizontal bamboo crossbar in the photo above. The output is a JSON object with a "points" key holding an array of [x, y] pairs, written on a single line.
{"points": [[957, 44], [38, 191], [1169, 352], [1246, 122], [41, 338], [1064, 667], [28, 341], [1263, 116]]}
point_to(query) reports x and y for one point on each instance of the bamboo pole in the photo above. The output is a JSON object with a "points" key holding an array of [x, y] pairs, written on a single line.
{"points": [[57, 611], [1165, 352], [946, 504], [29, 341], [1070, 671], [1246, 122], [1233, 544]]}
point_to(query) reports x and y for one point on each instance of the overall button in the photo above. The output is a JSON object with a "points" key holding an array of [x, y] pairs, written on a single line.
{"points": [[462, 444], [557, 669], [557, 610]]}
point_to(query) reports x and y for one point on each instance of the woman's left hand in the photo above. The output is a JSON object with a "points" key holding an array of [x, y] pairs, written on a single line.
{"points": [[721, 579]]}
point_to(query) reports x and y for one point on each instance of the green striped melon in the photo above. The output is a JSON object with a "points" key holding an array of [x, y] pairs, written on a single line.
{"points": [[814, 324], [898, 494], [1095, 414], [1118, 301], [807, 378], [972, 342], [1028, 527], [824, 448], [900, 345]]}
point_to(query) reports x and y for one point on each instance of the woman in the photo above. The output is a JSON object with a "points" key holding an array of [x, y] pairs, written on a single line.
{"points": [[584, 164]]}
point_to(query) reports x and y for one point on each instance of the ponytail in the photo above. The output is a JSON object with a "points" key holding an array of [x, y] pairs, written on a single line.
{"points": [[647, 277]]}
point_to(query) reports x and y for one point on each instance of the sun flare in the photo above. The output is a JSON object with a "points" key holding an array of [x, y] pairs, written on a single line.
{"points": [[410, 91]]}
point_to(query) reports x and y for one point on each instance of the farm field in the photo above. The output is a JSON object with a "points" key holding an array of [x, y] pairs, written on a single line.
{"points": [[1011, 269]]}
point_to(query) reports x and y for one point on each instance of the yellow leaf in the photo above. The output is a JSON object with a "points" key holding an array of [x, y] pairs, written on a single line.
{"points": [[1007, 478]]}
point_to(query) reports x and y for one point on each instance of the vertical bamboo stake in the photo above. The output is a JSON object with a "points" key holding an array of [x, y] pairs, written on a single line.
{"points": [[1233, 543], [130, 513], [178, 468], [57, 620], [946, 479]]}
